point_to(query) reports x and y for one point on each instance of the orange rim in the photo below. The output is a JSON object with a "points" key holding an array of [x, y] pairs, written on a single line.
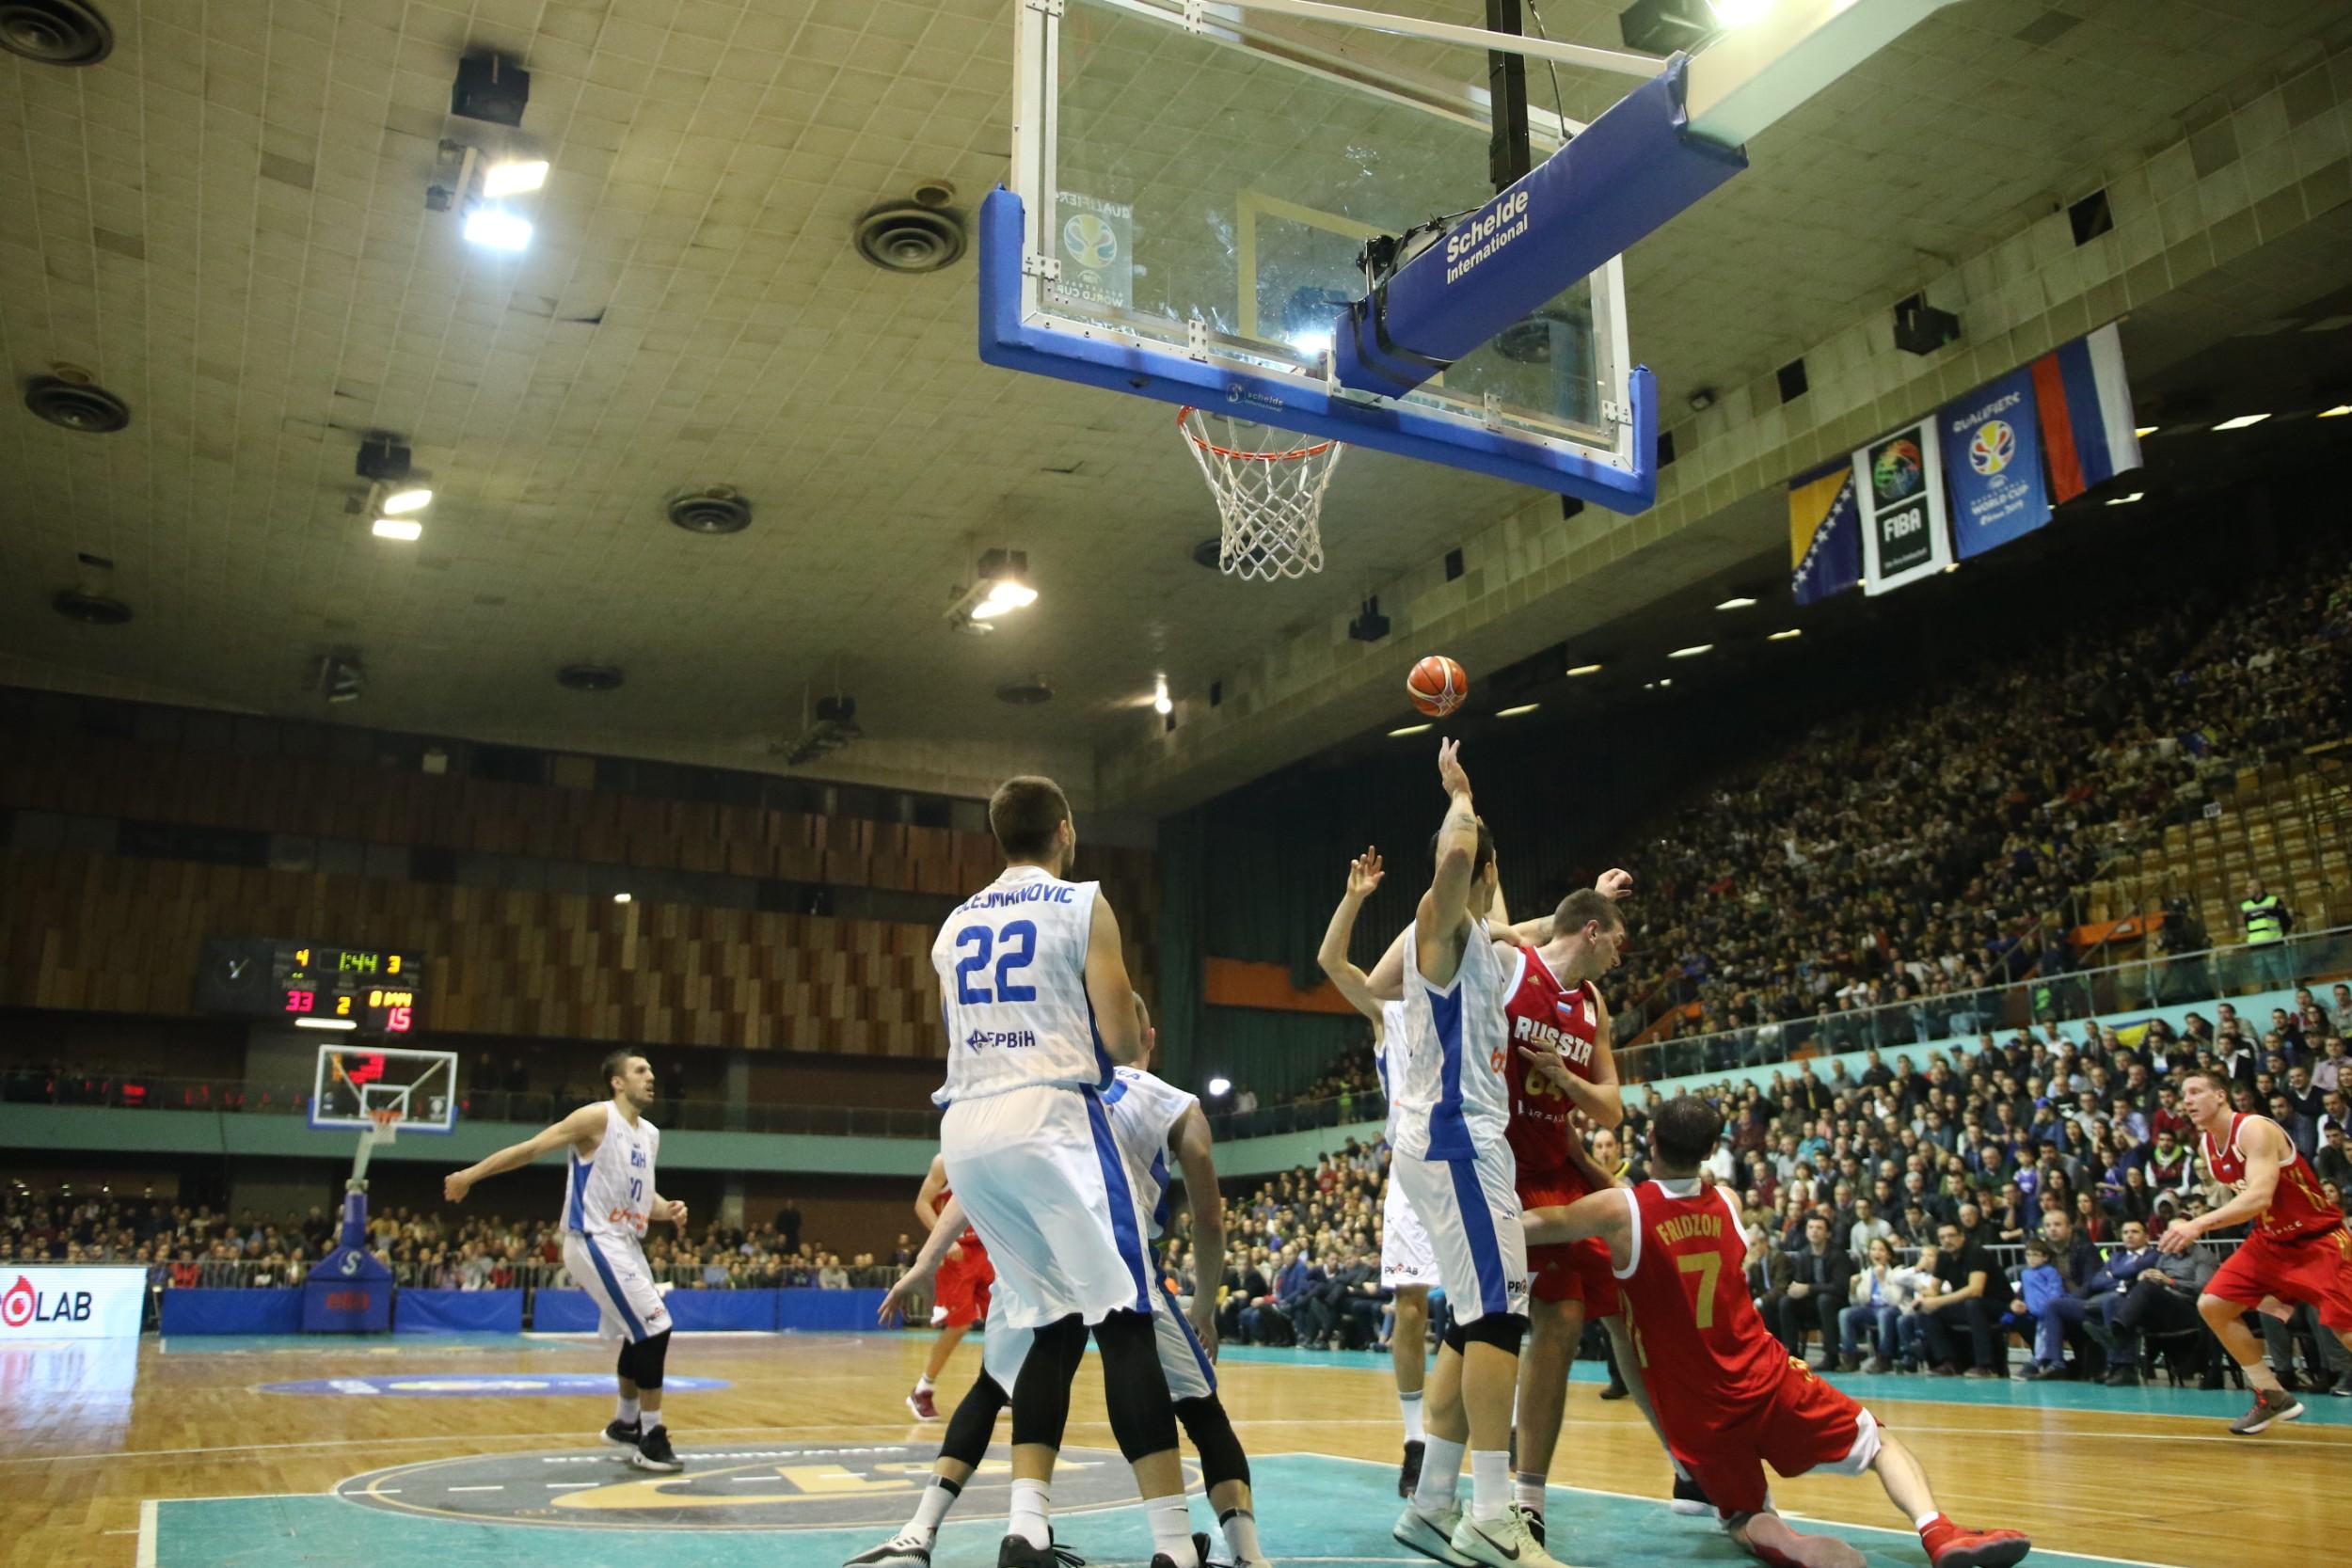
{"points": [[1206, 445]]}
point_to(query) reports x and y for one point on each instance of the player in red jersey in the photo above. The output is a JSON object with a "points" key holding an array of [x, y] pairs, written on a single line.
{"points": [[961, 1297], [2298, 1250], [1561, 1063], [1730, 1396]]}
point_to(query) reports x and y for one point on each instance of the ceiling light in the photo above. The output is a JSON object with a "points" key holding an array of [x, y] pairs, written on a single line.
{"points": [[1665, 680], [2126, 501], [513, 177], [1693, 651], [1784, 636], [620, 898], [415, 498], [2145, 431], [498, 228], [398, 527], [1515, 712], [1218, 1086], [1000, 584], [2241, 422], [1409, 729], [326, 1023], [2339, 411], [1741, 603], [1583, 669], [1160, 702]]}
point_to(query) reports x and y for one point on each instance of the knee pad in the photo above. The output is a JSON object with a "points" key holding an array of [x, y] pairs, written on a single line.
{"points": [[627, 1364], [1040, 1395], [1134, 1388], [974, 1422], [651, 1354], [1211, 1433], [1503, 1330]]}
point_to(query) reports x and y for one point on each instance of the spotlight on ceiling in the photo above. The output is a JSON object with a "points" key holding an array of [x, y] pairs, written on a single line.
{"points": [[1784, 636], [496, 228], [2242, 421], [1515, 712], [415, 497], [1583, 669], [1663, 26], [1001, 584], [514, 177], [2126, 501], [1218, 1086], [1161, 704], [1408, 729], [1693, 651], [404, 529], [1736, 602]]}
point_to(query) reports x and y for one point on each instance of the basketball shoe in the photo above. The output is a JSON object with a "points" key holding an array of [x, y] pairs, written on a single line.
{"points": [[1950, 1546], [925, 1407]]}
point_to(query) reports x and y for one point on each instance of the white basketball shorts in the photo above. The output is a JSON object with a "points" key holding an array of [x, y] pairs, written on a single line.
{"points": [[1184, 1361], [1404, 1256], [1472, 1212], [611, 1269], [1042, 1180]]}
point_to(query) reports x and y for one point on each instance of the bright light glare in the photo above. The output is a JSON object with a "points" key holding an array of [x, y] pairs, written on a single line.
{"points": [[1008, 593], [1220, 1084], [513, 176], [1315, 341], [498, 228], [404, 529], [1693, 651], [1738, 13], [1160, 704], [620, 898], [1409, 729], [2145, 431], [2241, 422], [2126, 501], [1784, 636], [1583, 669], [1515, 712], [415, 498], [1735, 604], [326, 1023], [2337, 412]]}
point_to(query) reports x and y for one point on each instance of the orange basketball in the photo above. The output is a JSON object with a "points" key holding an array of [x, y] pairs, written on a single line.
{"points": [[1437, 686]]}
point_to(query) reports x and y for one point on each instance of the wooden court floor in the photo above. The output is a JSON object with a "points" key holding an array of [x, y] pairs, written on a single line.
{"points": [[272, 1453]]}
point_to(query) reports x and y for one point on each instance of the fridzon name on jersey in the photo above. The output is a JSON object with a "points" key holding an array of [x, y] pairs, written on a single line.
{"points": [[1011, 1039], [1546, 1036]]}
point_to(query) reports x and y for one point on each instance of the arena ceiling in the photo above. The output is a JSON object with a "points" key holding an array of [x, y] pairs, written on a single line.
{"points": [[225, 223]]}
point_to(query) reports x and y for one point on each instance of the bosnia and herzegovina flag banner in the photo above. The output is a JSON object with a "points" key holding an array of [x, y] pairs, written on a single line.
{"points": [[1824, 533], [2085, 409]]}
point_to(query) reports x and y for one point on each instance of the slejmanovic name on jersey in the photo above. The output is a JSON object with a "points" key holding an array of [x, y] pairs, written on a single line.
{"points": [[1027, 892]]}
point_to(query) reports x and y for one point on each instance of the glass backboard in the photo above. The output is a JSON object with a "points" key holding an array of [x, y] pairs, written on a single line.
{"points": [[351, 1082]]}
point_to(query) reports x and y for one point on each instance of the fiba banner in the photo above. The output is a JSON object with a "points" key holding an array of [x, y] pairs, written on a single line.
{"points": [[2084, 406], [1905, 535], [1993, 451], [71, 1304], [1824, 533]]}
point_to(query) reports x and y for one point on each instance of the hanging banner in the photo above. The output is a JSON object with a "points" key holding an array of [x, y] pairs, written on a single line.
{"points": [[1993, 451], [1905, 535], [1824, 533], [2084, 405]]}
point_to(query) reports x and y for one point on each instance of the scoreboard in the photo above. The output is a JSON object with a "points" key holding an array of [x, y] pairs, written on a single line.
{"points": [[366, 990]]}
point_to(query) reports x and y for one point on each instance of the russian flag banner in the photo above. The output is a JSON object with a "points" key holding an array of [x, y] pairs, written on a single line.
{"points": [[2084, 406]]}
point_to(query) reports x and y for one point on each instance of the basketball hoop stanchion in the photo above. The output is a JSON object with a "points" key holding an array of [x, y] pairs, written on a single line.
{"points": [[387, 1121], [1269, 498]]}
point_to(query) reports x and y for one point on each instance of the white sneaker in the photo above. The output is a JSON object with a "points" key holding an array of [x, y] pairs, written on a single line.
{"points": [[1431, 1534], [907, 1549], [1505, 1543]]}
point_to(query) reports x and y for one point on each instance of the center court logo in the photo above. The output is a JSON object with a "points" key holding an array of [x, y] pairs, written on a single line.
{"points": [[747, 1486], [1992, 448]]}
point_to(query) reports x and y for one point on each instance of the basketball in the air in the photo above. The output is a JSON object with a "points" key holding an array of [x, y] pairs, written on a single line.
{"points": [[1437, 686]]}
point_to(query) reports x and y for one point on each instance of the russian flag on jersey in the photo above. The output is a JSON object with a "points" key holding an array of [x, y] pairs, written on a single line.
{"points": [[2084, 406]]}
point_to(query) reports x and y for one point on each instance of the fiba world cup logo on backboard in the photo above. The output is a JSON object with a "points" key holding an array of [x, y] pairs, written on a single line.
{"points": [[1992, 446], [1896, 472], [17, 1307], [1090, 242]]}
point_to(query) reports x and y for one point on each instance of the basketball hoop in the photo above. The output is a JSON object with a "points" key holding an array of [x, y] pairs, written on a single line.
{"points": [[387, 1123], [1270, 497]]}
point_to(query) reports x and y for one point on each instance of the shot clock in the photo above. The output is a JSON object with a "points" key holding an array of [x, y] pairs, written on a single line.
{"points": [[374, 993]]}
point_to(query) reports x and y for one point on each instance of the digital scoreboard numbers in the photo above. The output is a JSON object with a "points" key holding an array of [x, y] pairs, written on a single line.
{"points": [[372, 992]]}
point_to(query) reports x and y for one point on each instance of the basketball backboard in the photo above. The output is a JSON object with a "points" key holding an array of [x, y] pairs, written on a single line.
{"points": [[351, 1085], [1203, 202]]}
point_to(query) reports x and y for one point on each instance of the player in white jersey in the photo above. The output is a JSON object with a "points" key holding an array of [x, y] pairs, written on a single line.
{"points": [[1407, 1268], [609, 1197], [1149, 1117], [1456, 1166], [1034, 992]]}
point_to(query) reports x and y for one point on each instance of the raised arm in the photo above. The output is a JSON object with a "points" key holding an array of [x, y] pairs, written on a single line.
{"points": [[1108, 988], [1615, 884], [1363, 875], [1443, 914], [583, 1129], [1386, 980], [1193, 1143]]}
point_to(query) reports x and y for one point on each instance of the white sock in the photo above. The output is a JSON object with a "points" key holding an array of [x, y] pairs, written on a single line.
{"points": [[1490, 1484], [924, 1385], [937, 1498], [1925, 1519], [625, 1411], [1241, 1533], [1527, 1490], [1409, 1405], [1441, 1476], [1171, 1529], [1029, 1514], [653, 1420]]}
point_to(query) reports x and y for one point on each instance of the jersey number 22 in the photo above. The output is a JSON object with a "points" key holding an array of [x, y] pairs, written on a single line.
{"points": [[1019, 948]]}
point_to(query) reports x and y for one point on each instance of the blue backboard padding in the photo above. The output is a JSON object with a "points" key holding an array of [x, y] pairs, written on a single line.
{"points": [[1625, 176], [232, 1312], [421, 1311], [1289, 401], [335, 1305]]}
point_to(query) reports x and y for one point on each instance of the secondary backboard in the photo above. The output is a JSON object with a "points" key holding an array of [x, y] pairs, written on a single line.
{"points": [[351, 1083], [1188, 207]]}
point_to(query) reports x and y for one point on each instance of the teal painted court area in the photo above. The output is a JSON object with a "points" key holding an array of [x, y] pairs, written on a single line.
{"points": [[1314, 1508]]}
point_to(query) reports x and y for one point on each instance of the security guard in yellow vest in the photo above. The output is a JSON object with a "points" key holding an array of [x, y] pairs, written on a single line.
{"points": [[2269, 964]]}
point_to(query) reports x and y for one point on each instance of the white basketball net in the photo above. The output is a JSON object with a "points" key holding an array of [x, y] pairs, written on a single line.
{"points": [[1268, 494]]}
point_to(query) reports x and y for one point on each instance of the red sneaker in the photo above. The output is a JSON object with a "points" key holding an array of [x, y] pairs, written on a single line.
{"points": [[923, 1406], [1950, 1546]]}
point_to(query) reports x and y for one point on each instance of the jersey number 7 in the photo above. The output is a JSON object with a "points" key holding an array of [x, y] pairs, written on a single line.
{"points": [[1019, 938]]}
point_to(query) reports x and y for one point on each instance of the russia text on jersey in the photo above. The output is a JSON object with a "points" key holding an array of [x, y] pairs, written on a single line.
{"points": [[1548, 1037]]}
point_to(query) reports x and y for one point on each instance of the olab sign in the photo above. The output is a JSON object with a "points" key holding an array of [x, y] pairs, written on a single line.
{"points": [[72, 1304]]}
